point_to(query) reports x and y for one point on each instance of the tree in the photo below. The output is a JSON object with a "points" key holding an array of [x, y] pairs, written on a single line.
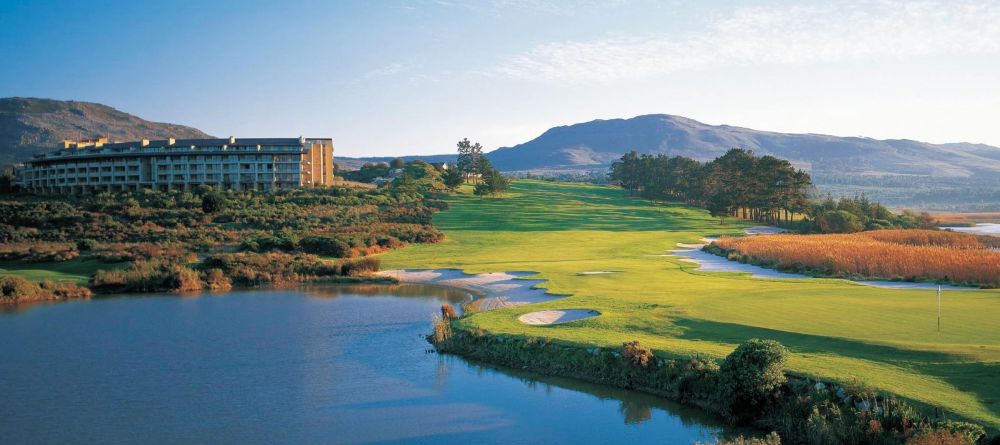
{"points": [[213, 202], [720, 206], [750, 379], [397, 163], [452, 178], [839, 221], [470, 158], [494, 184]]}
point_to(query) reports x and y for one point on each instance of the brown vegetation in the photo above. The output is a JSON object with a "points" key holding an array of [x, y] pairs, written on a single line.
{"points": [[16, 290], [915, 255], [637, 354]]}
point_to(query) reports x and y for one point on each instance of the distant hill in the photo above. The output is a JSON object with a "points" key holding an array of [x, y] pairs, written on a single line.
{"points": [[29, 126], [600, 142]]}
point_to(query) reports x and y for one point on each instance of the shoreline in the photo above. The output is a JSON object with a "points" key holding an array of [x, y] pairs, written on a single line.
{"points": [[493, 290]]}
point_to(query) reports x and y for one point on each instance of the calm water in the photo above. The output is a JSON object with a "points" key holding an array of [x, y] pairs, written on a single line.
{"points": [[979, 229], [311, 365]]}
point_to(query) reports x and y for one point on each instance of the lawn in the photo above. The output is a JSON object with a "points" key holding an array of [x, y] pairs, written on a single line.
{"points": [[77, 270], [837, 330]]}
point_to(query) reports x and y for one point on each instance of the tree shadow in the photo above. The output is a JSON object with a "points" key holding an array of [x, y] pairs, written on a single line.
{"points": [[978, 378]]}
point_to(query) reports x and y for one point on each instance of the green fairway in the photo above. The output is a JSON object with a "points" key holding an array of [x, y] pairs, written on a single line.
{"points": [[77, 270], [837, 330]]}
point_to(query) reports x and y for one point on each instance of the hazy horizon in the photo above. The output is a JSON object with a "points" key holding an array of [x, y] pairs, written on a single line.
{"points": [[400, 78]]}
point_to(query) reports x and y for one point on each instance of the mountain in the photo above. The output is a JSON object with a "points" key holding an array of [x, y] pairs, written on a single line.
{"points": [[29, 126], [601, 142]]}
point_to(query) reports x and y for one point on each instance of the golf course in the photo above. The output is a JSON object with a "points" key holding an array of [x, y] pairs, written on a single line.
{"points": [[836, 330]]}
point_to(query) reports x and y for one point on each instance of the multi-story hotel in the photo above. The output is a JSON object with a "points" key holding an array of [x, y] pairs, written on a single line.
{"points": [[241, 164]]}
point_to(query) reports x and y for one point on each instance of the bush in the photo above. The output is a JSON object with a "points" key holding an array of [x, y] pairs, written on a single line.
{"points": [[215, 279], [15, 290], [148, 276], [636, 354], [325, 245], [448, 312], [770, 439], [362, 266], [839, 221], [939, 437], [750, 379]]}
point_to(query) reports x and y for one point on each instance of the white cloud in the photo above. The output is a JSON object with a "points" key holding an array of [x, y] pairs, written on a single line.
{"points": [[385, 71], [772, 35]]}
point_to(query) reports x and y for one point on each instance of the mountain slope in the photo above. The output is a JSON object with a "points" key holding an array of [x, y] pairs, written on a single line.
{"points": [[600, 142], [29, 126]]}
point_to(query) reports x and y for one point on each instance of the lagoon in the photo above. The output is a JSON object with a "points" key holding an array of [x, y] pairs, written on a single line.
{"points": [[315, 364]]}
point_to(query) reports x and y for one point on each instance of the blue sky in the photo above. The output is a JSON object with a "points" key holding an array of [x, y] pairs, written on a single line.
{"points": [[408, 77]]}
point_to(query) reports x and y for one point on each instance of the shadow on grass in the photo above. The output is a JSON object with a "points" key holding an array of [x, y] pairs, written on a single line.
{"points": [[980, 379]]}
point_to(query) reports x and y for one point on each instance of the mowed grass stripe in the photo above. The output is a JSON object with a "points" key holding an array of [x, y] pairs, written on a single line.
{"points": [[837, 330]]}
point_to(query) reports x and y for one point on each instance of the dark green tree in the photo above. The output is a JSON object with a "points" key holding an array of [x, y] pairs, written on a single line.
{"points": [[452, 178]]}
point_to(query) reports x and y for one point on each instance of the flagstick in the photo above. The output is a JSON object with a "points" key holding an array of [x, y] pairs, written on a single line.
{"points": [[939, 308]]}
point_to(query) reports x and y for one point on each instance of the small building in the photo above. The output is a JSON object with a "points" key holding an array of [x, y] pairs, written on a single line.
{"points": [[179, 164]]}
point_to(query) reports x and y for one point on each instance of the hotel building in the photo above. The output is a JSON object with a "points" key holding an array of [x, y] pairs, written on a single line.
{"points": [[241, 164]]}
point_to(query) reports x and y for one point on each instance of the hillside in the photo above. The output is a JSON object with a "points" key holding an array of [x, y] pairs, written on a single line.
{"points": [[29, 126], [956, 176], [602, 141]]}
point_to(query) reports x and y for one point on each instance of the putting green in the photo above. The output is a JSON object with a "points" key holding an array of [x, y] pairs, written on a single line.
{"points": [[837, 330]]}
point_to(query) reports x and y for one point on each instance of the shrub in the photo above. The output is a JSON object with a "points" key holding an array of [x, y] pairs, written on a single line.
{"points": [[636, 354], [448, 312], [770, 439], [939, 437], [362, 266], [15, 290], [147, 276], [442, 330], [839, 221], [215, 279], [750, 379], [325, 245]]}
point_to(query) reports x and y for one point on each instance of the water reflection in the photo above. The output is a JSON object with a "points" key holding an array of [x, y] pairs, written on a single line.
{"points": [[312, 364]]}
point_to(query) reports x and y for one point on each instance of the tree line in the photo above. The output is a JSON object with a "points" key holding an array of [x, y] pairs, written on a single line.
{"points": [[759, 188]]}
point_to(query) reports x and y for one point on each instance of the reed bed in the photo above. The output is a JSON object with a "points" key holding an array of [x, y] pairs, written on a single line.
{"points": [[912, 255]]}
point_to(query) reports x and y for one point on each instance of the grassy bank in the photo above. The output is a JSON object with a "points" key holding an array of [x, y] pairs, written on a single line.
{"points": [[836, 330]]}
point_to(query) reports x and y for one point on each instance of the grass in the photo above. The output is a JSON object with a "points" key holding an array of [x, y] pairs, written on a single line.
{"points": [[77, 270], [837, 331]]}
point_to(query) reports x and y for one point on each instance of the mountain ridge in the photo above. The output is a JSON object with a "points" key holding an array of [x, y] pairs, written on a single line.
{"points": [[30, 126], [601, 141]]}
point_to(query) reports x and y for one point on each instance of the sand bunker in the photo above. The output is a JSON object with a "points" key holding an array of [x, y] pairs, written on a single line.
{"points": [[690, 245], [542, 318], [500, 289]]}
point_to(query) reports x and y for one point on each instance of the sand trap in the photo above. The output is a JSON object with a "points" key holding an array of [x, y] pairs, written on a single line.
{"points": [[690, 245], [715, 263], [500, 289], [542, 318], [599, 272]]}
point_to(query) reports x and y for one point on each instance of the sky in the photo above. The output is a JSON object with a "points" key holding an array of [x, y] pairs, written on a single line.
{"points": [[386, 78]]}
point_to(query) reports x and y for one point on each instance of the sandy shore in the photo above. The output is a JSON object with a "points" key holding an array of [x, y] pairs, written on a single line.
{"points": [[499, 289]]}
